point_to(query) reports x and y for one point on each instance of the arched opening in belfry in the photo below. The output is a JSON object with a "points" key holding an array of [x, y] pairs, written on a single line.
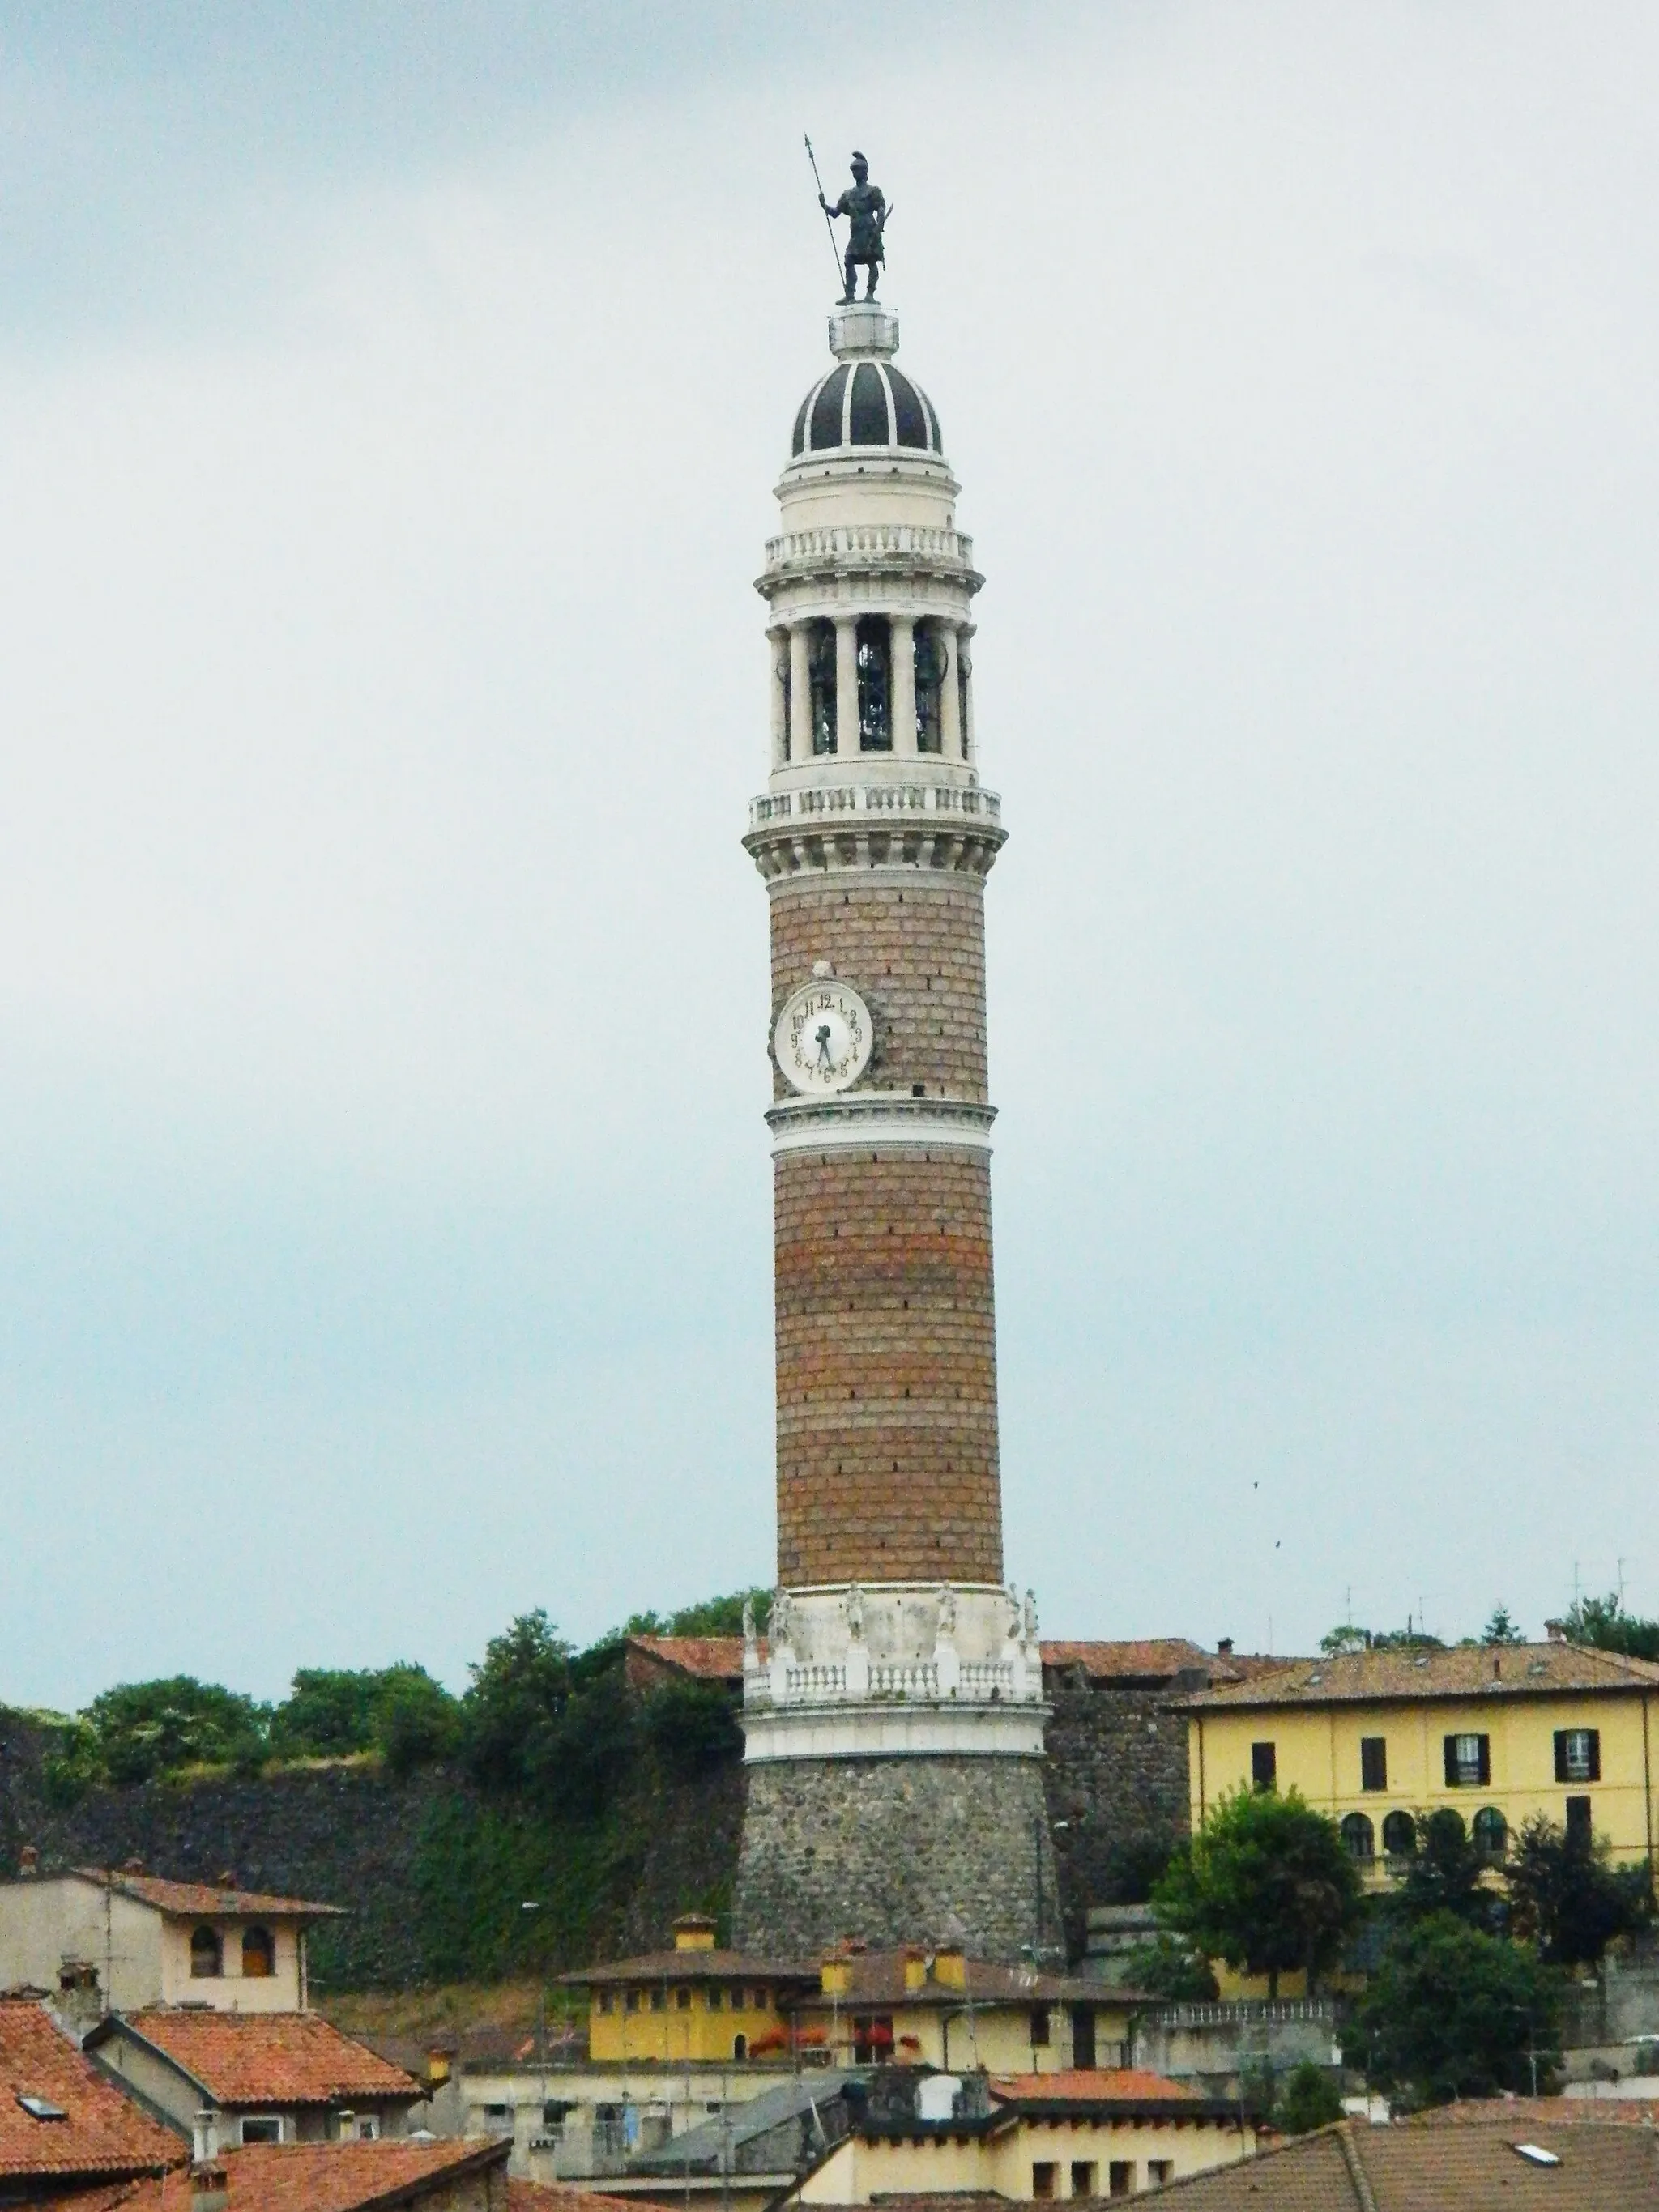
{"points": [[875, 685], [821, 685], [933, 664]]}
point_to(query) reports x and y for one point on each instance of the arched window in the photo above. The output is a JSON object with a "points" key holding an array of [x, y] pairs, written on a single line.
{"points": [[1399, 1835], [206, 1959], [740, 2046], [933, 663], [875, 684], [258, 1955], [1358, 1837], [821, 685], [1491, 1833]]}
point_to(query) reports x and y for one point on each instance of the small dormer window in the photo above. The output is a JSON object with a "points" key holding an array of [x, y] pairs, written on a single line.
{"points": [[206, 1955]]}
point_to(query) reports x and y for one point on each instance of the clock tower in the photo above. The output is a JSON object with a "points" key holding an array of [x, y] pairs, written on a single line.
{"points": [[894, 1719]]}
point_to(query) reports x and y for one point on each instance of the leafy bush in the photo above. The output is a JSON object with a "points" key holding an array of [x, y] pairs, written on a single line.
{"points": [[692, 1726], [1167, 1968], [414, 1721], [1453, 2012], [328, 1714], [1444, 1875], [1567, 1899], [1136, 1865], [1309, 2099], [145, 1728]]}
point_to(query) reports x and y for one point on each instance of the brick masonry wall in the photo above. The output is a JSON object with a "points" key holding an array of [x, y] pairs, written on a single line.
{"points": [[886, 1369], [896, 1851], [914, 950]]}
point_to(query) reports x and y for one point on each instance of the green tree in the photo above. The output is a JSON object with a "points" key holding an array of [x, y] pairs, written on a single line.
{"points": [[327, 1714], [1453, 2012], [1310, 2099], [1565, 1898], [1500, 1629], [1443, 1873], [1168, 1968], [1265, 1884], [1339, 1641], [1135, 1864], [692, 1726], [1603, 1622], [145, 1728], [415, 1722], [511, 1714]]}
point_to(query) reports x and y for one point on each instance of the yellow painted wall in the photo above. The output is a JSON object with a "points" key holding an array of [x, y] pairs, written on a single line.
{"points": [[676, 2023], [1317, 1752], [858, 2171], [996, 2038]]}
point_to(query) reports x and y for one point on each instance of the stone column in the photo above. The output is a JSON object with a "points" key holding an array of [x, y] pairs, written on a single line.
{"points": [[778, 642], [800, 695], [970, 750], [950, 698], [902, 651], [847, 687]]}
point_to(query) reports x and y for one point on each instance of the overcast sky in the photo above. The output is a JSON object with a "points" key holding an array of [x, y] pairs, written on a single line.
{"points": [[391, 398]]}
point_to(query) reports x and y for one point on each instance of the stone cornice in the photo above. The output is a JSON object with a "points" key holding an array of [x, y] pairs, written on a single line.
{"points": [[942, 827], [885, 1119]]}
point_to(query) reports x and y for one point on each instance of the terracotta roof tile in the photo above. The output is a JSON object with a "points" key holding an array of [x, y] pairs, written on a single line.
{"points": [[349, 2177], [1473, 1671], [1091, 2086], [560, 2196], [104, 2133], [196, 1900], [1351, 2165], [710, 1658], [1514, 2112], [284, 2058], [695, 1967], [1154, 1659]]}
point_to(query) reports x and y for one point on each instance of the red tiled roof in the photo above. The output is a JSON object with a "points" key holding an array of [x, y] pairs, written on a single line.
{"points": [[285, 2058], [710, 1658], [1091, 2086], [195, 1900], [1153, 1659], [329, 2177], [694, 1966], [104, 2132], [1468, 1671], [1541, 2111]]}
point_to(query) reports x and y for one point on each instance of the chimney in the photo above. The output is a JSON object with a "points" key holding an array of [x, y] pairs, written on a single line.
{"points": [[915, 1966], [132, 1866], [227, 1880], [694, 1931], [210, 2187], [1556, 1631], [950, 1966], [28, 1864], [1223, 1647], [346, 2120], [205, 2147]]}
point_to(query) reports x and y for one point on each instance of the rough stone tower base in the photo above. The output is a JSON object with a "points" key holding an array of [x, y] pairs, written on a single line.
{"points": [[898, 1850]]}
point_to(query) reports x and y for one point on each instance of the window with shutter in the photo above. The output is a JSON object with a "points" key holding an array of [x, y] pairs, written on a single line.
{"points": [[1264, 1766], [1373, 1762], [1578, 1822], [1468, 1761], [1577, 1755]]}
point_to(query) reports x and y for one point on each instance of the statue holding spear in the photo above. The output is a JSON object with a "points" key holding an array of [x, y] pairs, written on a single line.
{"points": [[867, 212]]}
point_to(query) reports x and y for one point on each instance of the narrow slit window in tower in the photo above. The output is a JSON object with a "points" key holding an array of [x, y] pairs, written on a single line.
{"points": [[821, 677], [931, 664], [875, 686]]}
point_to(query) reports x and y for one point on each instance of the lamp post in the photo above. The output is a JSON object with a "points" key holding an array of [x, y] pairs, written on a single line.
{"points": [[534, 1905]]}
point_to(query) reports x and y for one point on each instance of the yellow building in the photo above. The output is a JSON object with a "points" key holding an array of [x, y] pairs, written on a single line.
{"points": [[1033, 2139], [1379, 1739], [692, 2004], [938, 2008]]}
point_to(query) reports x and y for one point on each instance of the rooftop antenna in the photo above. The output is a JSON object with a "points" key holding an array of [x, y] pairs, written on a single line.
{"points": [[828, 224]]}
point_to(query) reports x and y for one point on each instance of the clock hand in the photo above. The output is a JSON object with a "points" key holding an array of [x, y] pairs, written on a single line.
{"points": [[823, 1060]]}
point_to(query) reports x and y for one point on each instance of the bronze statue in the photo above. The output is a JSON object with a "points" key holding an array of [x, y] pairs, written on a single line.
{"points": [[866, 211]]}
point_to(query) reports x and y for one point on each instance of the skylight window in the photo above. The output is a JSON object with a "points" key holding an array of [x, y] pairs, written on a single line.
{"points": [[1535, 2153], [42, 2108]]}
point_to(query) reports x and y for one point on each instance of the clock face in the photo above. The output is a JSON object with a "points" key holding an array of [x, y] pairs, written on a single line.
{"points": [[824, 1037]]}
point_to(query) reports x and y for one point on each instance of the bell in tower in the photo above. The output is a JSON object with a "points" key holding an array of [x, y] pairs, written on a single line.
{"points": [[893, 1721]]}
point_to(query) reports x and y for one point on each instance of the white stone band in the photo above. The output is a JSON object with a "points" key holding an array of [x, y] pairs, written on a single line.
{"points": [[904, 1731], [858, 1119]]}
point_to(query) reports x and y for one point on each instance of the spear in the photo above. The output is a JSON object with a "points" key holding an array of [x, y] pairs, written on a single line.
{"points": [[829, 221]]}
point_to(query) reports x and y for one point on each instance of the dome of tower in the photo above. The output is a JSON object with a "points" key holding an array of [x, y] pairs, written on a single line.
{"points": [[859, 403]]}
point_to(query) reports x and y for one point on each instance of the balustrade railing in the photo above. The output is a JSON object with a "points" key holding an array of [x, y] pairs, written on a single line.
{"points": [[919, 1678], [875, 798], [911, 540], [986, 1678]]}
